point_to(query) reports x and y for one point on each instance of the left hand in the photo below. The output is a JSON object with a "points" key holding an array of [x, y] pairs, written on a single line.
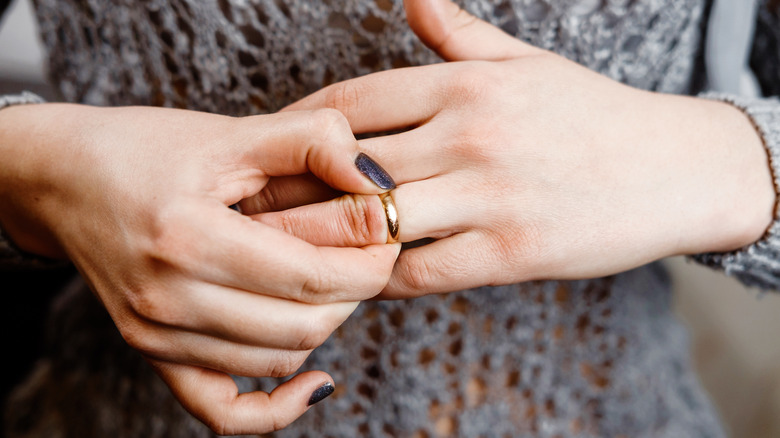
{"points": [[524, 165]]}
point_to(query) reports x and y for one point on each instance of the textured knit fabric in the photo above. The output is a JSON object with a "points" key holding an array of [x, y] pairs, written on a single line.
{"points": [[19, 99], [591, 358], [766, 48]]}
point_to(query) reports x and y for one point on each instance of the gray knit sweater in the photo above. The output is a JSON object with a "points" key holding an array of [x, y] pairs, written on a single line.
{"points": [[593, 358]]}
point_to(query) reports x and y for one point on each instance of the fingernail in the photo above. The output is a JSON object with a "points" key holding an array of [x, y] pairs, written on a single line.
{"points": [[374, 172], [321, 393]]}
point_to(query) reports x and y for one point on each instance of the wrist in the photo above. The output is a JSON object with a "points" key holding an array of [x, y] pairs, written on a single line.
{"points": [[26, 177], [731, 171]]}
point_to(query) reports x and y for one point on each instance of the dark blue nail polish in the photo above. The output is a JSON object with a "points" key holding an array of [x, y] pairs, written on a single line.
{"points": [[374, 172], [321, 393]]}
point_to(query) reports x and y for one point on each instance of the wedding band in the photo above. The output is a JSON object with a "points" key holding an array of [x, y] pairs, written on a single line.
{"points": [[392, 217]]}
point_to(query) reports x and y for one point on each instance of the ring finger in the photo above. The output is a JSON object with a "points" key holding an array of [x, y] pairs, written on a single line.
{"points": [[433, 208]]}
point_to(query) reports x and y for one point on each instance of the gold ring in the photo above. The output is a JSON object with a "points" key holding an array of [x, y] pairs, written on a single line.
{"points": [[392, 217]]}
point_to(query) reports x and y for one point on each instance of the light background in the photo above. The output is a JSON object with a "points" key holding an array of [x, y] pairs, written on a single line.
{"points": [[735, 334]]}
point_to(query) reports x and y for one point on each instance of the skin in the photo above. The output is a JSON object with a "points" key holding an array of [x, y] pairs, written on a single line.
{"points": [[525, 166], [138, 199], [520, 164]]}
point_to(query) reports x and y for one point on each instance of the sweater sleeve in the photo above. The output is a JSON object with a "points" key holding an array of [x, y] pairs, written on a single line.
{"points": [[765, 56], [10, 256]]}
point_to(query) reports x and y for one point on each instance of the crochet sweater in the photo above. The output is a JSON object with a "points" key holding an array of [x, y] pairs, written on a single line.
{"points": [[591, 358]]}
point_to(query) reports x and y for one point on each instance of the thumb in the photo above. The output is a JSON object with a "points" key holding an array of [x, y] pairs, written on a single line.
{"points": [[456, 35]]}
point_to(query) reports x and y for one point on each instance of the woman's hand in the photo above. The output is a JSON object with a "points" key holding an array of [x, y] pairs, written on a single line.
{"points": [[138, 199], [523, 165]]}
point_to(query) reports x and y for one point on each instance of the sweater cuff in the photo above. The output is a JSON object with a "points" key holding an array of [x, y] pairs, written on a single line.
{"points": [[759, 263], [10, 255], [19, 99]]}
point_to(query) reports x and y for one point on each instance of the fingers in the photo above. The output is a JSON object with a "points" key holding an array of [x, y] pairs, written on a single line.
{"points": [[383, 101], [245, 318], [434, 208], [431, 208], [232, 315], [413, 155], [459, 262], [348, 221], [213, 398], [248, 255], [217, 354], [296, 143], [287, 192], [456, 35]]}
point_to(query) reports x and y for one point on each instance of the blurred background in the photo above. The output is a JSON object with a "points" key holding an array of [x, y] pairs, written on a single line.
{"points": [[735, 332]]}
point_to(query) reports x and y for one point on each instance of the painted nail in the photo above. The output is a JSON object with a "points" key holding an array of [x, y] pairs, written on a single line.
{"points": [[321, 393], [374, 172]]}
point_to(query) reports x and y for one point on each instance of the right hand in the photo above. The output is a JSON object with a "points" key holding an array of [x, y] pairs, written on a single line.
{"points": [[137, 198]]}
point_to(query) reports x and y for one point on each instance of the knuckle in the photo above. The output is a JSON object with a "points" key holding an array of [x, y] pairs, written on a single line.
{"points": [[316, 287], [288, 223], [170, 246], [330, 127], [326, 120], [365, 222], [285, 364], [264, 201], [344, 97], [141, 339], [478, 144], [152, 305], [469, 83], [416, 275], [520, 250], [312, 337], [219, 423], [134, 338], [278, 423], [309, 289]]}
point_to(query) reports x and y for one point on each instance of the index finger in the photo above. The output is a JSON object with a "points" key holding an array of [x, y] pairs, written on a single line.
{"points": [[384, 101]]}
